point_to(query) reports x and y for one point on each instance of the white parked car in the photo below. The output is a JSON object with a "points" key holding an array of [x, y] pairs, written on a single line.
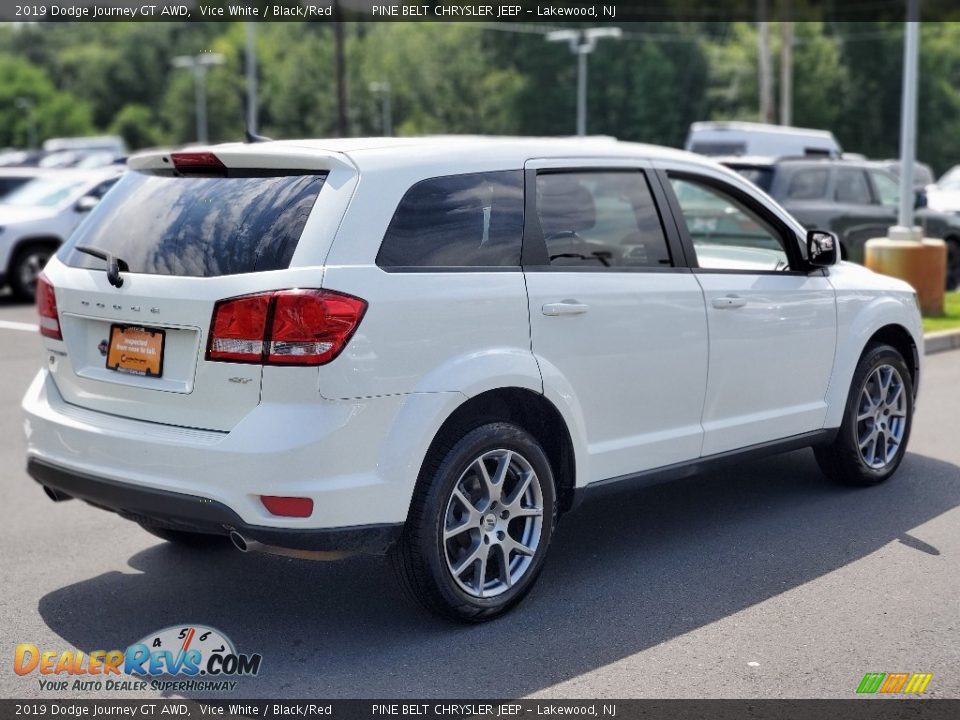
{"points": [[433, 347], [721, 137], [38, 215]]}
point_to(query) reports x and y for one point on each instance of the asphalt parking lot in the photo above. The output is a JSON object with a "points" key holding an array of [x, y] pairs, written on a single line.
{"points": [[760, 581]]}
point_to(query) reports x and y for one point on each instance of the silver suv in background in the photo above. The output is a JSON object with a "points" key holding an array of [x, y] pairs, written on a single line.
{"points": [[39, 215]]}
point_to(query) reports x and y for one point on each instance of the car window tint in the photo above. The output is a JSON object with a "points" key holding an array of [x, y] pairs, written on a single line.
{"points": [[726, 234], [887, 189], [599, 219], [852, 187], [198, 226], [471, 220], [808, 184]]}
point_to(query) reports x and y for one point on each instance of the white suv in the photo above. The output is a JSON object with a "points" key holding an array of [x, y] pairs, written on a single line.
{"points": [[432, 347]]}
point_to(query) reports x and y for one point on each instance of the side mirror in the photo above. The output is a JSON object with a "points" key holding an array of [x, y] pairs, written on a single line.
{"points": [[920, 199], [822, 248], [86, 203]]}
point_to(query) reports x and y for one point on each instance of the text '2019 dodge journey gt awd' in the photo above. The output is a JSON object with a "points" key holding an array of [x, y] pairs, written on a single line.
{"points": [[428, 347]]}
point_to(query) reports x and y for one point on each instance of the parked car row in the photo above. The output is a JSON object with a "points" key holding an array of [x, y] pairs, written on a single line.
{"points": [[39, 209], [855, 199]]}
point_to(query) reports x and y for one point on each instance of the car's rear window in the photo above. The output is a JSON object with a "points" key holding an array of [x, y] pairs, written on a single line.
{"points": [[198, 226]]}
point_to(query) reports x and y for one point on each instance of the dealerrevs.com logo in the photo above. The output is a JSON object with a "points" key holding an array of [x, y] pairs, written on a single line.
{"points": [[205, 656]]}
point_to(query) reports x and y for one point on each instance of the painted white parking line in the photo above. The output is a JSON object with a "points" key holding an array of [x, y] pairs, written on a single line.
{"points": [[25, 327]]}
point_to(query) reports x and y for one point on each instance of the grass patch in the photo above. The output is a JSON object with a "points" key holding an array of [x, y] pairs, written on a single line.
{"points": [[950, 320]]}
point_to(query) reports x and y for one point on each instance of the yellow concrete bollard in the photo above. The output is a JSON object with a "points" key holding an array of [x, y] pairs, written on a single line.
{"points": [[920, 261]]}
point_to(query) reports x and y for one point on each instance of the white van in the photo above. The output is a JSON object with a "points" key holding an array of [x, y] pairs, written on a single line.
{"points": [[746, 138]]}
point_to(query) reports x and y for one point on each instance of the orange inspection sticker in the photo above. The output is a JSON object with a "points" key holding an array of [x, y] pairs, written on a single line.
{"points": [[136, 350]]}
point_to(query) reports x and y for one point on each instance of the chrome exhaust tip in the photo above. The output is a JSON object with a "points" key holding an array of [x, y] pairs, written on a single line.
{"points": [[245, 545], [239, 542], [56, 495]]}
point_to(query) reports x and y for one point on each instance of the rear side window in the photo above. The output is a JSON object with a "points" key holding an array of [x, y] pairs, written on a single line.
{"points": [[852, 187], [472, 220], [198, 226], [808, 184]]}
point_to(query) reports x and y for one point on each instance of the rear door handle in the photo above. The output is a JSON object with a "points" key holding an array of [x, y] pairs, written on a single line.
{"points": [[567, 307], [728, 302]]}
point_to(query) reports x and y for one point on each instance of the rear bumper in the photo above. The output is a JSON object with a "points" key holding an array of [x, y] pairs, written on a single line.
{"points": [[357, 460], [192, 513]]}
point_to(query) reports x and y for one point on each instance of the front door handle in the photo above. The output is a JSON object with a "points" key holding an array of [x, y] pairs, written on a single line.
{"points": [[728, 302], [567, 307]]}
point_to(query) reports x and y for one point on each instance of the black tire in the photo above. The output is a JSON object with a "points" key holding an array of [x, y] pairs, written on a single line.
{"points": [[423, 560], [27, 263], [953, 263], [843, 461], [184, 538]]}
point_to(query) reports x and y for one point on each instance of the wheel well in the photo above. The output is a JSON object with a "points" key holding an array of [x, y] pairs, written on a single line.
{"points": [[535, 414], [53, 242], [898, 337]]}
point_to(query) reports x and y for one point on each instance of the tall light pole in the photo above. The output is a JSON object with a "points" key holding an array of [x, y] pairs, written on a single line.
{"points": [[582, 43], [26, 104], [382, 88], [908, 115], [251, 79], [198, 64]]}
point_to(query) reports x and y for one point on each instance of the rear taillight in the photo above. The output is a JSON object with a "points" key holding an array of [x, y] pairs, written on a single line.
{"points": [[285, 327], [47, 308], [288, 506]]}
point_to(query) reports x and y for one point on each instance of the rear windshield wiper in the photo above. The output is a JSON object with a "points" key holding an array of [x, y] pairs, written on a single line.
{"points": [[114, 264]]}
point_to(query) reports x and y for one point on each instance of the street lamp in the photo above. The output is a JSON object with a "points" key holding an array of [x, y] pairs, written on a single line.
{"points": [[582, 43], [26, 104], [382, 88], [198, 64]]}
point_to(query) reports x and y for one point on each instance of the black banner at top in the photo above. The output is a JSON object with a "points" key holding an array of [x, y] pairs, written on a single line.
{"points": [[550, 12]]}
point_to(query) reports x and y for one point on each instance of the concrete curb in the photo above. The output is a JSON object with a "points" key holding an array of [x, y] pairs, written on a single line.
{"points": [[941, 341]]}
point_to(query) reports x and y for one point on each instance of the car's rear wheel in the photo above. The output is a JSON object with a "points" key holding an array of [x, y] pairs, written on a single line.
{"points": [[26, 267], [183, 537], [876, 423], [480, 523]]}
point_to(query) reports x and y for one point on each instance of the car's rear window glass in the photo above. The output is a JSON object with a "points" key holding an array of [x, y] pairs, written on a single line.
{"points": [[198, 226], [471, 220], [808, 184]]}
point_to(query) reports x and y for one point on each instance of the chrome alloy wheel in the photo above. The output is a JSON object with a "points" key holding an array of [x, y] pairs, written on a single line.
{"points": [[31, 266], [492, 523], [881, 417]]}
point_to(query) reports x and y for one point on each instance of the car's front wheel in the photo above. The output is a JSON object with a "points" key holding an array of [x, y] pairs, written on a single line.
{"points": [[876, 423], [480, 523]]}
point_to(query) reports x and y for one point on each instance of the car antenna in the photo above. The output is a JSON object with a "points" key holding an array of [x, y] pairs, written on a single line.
{"points": [[250, 137]]}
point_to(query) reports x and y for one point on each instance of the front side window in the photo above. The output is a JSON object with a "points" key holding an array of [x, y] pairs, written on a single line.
{"points": [[726, 234], [887, 189], [472, 220], [852, 187], [600, 219]]}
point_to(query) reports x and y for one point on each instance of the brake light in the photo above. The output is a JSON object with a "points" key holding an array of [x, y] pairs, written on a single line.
{"points": [[205, 163], [237, 331], [288, 506], [285, 327], [47, 308]]}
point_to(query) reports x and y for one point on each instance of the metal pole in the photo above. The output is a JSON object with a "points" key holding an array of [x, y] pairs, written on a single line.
{"points": [[251, 79], [582, 90], [763, 51], [387, 119], [200, 87], [908, 122], [786, 71]]}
